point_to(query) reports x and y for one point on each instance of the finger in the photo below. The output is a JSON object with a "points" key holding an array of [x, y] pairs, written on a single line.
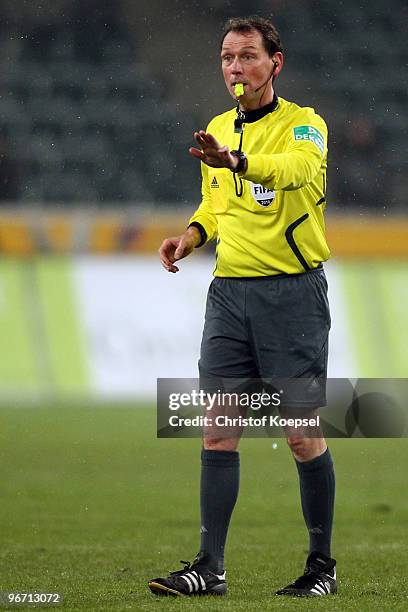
{"points": [[165, 248], [204, 136], [210, 157], [169, 267], [166, 251], [210, 140], [166, 263], [196, 153], [199, 139], [164, 259], [205, 155], [179, 251]]}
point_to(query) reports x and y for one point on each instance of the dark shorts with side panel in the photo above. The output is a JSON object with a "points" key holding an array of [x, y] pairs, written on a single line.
{"points": [[268, 328]]}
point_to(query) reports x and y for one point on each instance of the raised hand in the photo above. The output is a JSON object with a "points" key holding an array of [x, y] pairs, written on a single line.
{"points": [[211, 152]]}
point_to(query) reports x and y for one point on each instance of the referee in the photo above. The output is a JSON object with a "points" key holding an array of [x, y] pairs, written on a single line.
{"points": [[263, 196]]}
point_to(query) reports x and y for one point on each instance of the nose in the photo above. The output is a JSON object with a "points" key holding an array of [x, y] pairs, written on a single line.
{"points": [[236, 67]]}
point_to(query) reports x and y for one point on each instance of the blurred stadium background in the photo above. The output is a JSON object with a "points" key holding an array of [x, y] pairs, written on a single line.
{"points": [[98, 102]]}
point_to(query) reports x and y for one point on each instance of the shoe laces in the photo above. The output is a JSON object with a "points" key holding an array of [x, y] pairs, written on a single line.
{"points": [[311, 574], [186, 568]]}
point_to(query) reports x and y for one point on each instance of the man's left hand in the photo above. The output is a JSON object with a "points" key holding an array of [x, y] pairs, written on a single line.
{"points": [[212, 153]]}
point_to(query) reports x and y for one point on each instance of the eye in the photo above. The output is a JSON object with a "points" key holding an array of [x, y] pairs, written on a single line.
{"points": [[226, 58]]}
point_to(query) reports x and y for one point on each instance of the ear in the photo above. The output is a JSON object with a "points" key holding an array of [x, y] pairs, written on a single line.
{"points": [[277, 63]]}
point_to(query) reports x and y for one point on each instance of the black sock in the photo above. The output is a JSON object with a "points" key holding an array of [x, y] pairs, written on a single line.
{"points": [[219, 492], [317, 486]]}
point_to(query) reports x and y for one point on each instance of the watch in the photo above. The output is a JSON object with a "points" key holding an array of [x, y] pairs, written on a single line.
{"points": [[242, 161]]}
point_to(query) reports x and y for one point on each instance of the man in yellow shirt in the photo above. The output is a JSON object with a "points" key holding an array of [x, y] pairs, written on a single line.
{"points": [[263, 197]]}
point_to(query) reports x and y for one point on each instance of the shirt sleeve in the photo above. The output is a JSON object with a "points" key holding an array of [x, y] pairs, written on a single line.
{"points": [[301, 161], [204, 215]]}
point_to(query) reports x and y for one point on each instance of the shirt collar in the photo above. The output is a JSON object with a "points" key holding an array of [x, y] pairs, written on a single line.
{"points": [[258, 113]]}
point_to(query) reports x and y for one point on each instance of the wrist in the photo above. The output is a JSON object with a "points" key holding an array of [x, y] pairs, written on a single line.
{"points": [[241, 163], [197, 233]]}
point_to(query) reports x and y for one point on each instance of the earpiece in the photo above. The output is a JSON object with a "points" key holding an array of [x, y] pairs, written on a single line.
{"points": [[275, 65]]}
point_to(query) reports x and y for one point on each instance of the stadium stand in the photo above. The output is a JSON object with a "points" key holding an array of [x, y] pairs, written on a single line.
{"points": [[86, 118]]}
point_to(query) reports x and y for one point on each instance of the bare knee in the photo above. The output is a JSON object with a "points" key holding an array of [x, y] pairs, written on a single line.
{"points": [[221, 444], [298, 446], [306, 449]]}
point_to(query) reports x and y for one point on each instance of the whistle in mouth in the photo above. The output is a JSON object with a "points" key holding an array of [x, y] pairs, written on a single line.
{"points": [[239, 90]]}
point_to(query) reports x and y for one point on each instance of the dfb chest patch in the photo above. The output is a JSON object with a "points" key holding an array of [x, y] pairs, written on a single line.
{"points": [[262, 195]]}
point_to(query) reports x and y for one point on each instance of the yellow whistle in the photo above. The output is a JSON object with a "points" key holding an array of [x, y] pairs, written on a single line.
{"points": [[239, 90]]}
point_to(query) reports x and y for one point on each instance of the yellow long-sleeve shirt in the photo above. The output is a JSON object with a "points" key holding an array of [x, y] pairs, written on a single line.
{"points": [[277, 225]]}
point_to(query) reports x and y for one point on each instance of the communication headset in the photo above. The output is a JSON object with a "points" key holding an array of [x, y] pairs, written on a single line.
{"points": [[275, 65]]}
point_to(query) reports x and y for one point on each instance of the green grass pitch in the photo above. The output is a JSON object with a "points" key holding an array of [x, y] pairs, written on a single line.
{"points": [[93, 505]]}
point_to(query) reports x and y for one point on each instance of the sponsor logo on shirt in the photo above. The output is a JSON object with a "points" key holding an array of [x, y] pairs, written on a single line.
{"points": [[214, 183], [307, 132], [262, 195]]}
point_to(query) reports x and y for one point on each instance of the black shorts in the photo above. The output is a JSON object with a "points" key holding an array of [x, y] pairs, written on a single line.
{"points": [[268, 328]]}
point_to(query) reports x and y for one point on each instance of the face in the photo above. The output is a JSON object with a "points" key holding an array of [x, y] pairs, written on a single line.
{"points": [[245, 60]]}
